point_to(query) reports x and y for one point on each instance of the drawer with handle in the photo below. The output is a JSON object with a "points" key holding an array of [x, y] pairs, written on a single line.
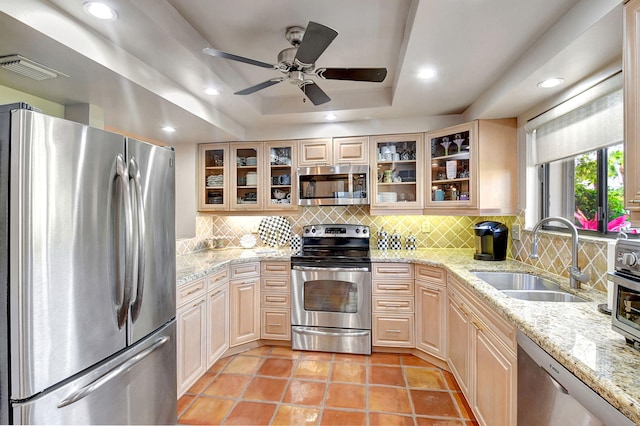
{"points": [[190, 291]]}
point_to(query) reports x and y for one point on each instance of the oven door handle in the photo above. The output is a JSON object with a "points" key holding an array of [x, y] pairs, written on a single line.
{"points": [[332, 333], [318, 268]]}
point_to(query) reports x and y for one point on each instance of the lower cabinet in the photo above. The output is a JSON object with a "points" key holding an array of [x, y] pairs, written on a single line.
{"points": [[393, 305], [482, 357], [203, 326], [275, 302], [191, 319], [218, 323], [431, 310], [244, 325]]}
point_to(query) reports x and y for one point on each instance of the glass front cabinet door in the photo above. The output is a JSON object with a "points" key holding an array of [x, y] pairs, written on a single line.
{"points": [[396, 172], [213, 176], [450, 154], [280, 176], [246, 177]]}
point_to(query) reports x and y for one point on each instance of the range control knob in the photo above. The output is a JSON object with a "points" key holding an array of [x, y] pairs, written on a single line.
{"points": [[629, 259], [364, 231], [306, 230], [313, 230], [357, 230]]}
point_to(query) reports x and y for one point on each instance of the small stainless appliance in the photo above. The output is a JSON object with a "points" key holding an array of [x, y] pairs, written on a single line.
{"points": [[333, 185], [87, 275], [331, 290], [625, 312], [491, 240]]}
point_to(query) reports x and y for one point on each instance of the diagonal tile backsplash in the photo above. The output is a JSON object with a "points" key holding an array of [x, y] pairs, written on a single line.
{"points": [[431, 232]]}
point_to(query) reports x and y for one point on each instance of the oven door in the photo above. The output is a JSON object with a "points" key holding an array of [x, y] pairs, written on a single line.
{"points": [[331, 297], [625, 314]]}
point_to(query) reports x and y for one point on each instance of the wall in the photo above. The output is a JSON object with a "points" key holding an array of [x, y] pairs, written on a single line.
{"points": [[186, 203], [442, 231]]}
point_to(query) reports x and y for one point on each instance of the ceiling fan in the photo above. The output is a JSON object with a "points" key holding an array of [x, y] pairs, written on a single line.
{"points": [[298, 63]]}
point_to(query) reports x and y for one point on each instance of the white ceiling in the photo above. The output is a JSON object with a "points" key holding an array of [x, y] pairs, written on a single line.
{"points": [[146, 69]]}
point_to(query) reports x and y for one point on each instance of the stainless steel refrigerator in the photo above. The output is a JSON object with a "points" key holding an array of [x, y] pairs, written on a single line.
{"points": [[87, 274]]}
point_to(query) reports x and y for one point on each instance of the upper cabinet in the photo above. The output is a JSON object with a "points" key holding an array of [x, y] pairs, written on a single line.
{"points": [[247, 185], [472, 169], [631, 66], [396, 173], [247, 177], [314, 152], [213, 177], [351, 150], [324, 152], [280, 176]]}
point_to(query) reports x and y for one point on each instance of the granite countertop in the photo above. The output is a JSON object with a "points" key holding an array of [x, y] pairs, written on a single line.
{"points": [[575, 334]]}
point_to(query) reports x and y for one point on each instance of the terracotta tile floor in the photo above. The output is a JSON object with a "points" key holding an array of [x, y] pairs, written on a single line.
{"points": [[277, 386]]}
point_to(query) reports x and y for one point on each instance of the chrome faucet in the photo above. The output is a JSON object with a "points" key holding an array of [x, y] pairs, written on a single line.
{"points": [[576, 276]]}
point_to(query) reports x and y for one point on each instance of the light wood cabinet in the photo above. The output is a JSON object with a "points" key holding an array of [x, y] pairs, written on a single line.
{"points": [[431, 310], [247, 186], [280, 175], [244, 303], [275, 300], [247, 176], [482, 360], [396, 173], [393, 305], [631, 66], [191, 348], [315, 152], [353, 150], [213, 177], [467, 163], [217, 317]]}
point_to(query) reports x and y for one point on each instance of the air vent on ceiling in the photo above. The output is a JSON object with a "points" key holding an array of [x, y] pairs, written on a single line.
{"points": [[28, 68]]}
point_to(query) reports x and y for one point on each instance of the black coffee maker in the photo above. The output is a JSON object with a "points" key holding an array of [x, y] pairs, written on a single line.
{"points": [[491, 240]]}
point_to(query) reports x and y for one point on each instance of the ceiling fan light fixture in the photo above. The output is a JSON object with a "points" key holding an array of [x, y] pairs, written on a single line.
{"points": [[100, 10], [550, 82]]}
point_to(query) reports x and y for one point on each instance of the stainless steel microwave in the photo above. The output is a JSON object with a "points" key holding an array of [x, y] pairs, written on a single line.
{"points": [[333, 185]]}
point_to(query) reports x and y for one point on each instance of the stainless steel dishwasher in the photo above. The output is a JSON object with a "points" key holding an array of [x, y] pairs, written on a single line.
{"points": [[549, 394]]}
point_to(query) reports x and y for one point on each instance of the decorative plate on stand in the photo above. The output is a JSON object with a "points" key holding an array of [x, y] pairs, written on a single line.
{"points": [[274, 231]]}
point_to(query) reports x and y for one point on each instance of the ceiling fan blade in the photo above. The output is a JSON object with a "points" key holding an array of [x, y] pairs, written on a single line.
{"points": [[259, 86], [316, 39], [376, 75], [225, 55], [315, 94]]}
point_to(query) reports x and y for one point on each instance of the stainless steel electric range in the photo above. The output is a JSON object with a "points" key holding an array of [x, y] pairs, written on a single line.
{"points": [[331, 290]]}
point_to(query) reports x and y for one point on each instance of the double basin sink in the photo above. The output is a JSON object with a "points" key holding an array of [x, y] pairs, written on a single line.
{"points": [[527, 287]]}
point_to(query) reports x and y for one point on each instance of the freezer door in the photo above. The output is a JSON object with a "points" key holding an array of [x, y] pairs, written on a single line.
{"points": [[152, 185], [65, 284], [136, 387]]}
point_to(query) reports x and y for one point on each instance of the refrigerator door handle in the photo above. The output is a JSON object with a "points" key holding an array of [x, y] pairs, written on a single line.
{"points": [[134, 173], [123, 179], [121, 369]]}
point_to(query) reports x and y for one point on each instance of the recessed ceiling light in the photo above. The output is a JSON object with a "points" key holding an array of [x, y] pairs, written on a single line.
{"points": [[331, 116], [100, 10], [427, 74], [169, 129], [212, 91], [551, 82]]}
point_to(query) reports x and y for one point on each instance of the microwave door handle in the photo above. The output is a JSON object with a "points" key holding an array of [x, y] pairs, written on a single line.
{"points": [[329, 269], [123, 206], [134, 173]]}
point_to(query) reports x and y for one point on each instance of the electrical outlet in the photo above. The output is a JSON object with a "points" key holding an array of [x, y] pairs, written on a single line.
{"points": [[426, 228], [515, 232]]}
